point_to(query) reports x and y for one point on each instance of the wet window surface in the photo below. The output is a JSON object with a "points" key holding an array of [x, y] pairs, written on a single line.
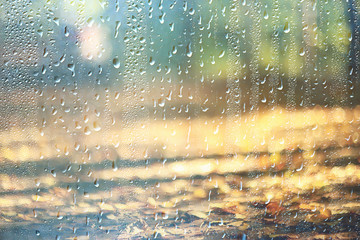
{"points": [[175, 119]]}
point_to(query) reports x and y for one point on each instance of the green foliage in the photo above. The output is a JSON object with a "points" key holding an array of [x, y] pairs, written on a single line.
{"points": [[226, 37]]}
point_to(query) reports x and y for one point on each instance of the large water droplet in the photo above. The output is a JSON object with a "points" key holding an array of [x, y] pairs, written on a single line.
{"points": [[116, 62]]}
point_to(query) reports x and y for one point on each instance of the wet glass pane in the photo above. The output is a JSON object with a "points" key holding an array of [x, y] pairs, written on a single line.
{"points": [[175, 119]]}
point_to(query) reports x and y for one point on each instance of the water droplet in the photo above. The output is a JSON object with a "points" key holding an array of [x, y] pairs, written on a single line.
{"points": [[301, 52], [96, 183], [266, 15], [188, 50], [116, 62], [87, 131], [96, 126], [287, 27]]}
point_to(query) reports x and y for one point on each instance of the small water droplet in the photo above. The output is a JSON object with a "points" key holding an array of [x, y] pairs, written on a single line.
{"points": [[96, 183], [96, 126], [286, 27], [302, 52], [266, 15], [188, 50], [87, 131]]}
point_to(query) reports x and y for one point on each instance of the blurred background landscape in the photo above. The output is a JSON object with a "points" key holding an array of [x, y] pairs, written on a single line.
{"points": [[179, 119]]}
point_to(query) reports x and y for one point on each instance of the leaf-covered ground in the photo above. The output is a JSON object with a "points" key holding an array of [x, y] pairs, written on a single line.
{"points": [[285, 176]]}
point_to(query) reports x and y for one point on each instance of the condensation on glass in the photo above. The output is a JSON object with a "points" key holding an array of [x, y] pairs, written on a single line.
{"points": [[199, 119]]}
